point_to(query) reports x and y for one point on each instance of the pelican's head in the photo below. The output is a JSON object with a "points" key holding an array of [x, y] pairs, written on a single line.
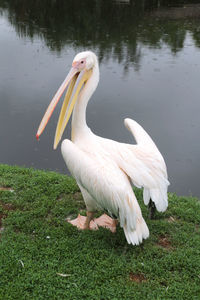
{"points": [[81, 71], [86, 59]]}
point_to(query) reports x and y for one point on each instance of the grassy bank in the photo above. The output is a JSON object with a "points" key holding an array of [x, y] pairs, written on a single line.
{"points": [[44, 257]]}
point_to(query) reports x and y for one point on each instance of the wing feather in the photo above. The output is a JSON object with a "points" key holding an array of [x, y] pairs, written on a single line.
{"points": [[153, 165], [143, 164]]}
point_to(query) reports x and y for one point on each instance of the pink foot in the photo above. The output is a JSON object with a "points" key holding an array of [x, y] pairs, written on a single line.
{"points": [[80, 221], [103, 221], [106, 222]]}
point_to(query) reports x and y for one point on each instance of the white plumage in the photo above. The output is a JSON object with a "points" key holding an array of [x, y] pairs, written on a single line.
{"points": [[105, 169]]}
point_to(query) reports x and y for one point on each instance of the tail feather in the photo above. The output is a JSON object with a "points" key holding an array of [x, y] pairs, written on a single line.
{"points": [[159, 197], [136, 236], [146, 196]]}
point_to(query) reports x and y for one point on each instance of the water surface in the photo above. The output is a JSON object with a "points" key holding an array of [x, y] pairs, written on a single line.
{"points": [[149, 53]]}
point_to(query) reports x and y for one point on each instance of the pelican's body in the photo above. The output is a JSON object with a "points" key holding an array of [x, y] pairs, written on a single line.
{"points": [[105, 170]]}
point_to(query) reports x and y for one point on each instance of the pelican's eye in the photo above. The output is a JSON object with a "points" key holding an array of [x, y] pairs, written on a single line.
{"points": [[82, 63]]}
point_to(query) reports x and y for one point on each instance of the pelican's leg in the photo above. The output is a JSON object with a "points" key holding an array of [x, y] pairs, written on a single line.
{"points": [[152, 209], [103, 221], [89, 218]]}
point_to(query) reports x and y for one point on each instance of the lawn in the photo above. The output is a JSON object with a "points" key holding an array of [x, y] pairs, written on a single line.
{"points": [[44, 257]]}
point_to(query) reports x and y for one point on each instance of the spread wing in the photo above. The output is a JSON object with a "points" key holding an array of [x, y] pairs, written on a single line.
{"points": [[144, 165]]}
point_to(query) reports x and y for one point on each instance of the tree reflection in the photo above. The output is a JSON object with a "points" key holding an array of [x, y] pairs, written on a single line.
{"points": [[117, 27]]}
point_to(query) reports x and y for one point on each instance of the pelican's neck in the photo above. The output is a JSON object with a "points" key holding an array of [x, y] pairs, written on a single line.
{"points": [[79, 125]]}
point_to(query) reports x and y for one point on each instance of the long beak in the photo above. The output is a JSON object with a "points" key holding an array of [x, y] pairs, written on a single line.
{"points": [[70, 99], [75, 80]]}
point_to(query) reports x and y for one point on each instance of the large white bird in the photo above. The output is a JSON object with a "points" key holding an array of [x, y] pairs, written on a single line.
{"points": [[105, 170]]}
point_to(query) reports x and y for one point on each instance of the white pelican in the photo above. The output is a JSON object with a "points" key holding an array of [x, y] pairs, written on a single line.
{"points": [[105, 169]]}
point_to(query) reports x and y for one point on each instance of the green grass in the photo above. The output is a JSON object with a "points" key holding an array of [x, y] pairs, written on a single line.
{"points": [[37, 245]]}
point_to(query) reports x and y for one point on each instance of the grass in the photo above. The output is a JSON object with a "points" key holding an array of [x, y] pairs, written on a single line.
{"points": [[44, 257]]}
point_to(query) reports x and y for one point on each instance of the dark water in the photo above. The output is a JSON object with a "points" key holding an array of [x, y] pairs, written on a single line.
{"points": [[149, 53]]}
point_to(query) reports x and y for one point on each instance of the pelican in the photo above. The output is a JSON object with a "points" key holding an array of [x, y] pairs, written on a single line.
{"points": [[106, 170]]}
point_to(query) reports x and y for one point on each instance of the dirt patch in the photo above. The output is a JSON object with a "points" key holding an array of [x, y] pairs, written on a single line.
{"points": [[164, 242], [7, 206], [137, 277]]}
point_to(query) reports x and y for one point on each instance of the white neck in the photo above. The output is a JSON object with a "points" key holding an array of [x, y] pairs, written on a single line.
{"points": [[79, 125]]}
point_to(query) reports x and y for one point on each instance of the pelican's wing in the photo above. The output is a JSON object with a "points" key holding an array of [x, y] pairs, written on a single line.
{"points": [[144, 164], [108, 186]]}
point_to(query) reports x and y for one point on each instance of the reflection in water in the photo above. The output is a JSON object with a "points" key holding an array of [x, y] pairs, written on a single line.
{"points": [[160, 42], [114, 30], [186, 11]]}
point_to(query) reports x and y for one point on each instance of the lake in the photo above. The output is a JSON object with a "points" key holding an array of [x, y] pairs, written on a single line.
{"points": [[149, 55]]}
